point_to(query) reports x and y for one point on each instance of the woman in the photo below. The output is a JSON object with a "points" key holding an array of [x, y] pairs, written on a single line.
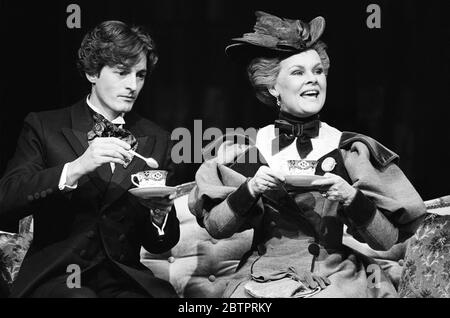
{"points": [[298, 224]]}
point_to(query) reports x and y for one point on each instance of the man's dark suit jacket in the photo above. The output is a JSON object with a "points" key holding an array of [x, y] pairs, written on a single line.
{"points": [[100, 219]]}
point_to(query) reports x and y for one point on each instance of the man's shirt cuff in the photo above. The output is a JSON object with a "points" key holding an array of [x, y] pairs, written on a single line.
{"points": [[63, 179]]}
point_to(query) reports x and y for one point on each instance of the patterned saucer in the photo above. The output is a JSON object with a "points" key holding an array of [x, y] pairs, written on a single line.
{"points": [[151, 192]]}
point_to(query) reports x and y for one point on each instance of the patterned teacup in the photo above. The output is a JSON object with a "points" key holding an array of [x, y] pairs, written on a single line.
{"points": [[149, 178], [302, 167]]}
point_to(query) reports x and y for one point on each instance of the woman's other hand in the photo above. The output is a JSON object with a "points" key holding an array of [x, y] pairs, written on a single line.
{"points": [[264, 180], [337, 189]]}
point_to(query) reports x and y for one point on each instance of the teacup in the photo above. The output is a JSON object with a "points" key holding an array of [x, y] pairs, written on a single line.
{"points": [[302, 167], [149, 178]]}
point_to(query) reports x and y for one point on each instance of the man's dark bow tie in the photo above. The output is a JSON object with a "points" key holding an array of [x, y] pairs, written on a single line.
{"points": [[290, 127], [104, 128]]}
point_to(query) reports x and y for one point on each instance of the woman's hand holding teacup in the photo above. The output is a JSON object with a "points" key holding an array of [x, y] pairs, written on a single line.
{"points": [[159, 207], [337, 189], [264, 180]]}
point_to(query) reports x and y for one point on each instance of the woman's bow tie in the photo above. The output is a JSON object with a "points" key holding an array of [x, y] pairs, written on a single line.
{"points": [[287, 129]]}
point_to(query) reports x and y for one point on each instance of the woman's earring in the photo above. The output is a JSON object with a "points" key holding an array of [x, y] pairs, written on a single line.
{"points": [[278, 101]]}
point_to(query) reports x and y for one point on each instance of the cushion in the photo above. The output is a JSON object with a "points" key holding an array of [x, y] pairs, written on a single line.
{"points": [[13, 247], [426, 272], [199, 265]]}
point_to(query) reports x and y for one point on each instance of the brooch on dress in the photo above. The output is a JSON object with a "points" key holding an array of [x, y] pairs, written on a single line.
{"points": [[328, 164]]}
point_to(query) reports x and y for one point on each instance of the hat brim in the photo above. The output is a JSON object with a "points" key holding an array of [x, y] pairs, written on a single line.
{"points": [[244, 53]]}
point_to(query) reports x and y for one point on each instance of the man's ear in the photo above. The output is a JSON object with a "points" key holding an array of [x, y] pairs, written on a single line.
{"points": [[91, 78]]}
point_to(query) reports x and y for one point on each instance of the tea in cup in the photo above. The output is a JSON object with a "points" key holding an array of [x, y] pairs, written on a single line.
{"points": [[302, 167], [149, 178]]}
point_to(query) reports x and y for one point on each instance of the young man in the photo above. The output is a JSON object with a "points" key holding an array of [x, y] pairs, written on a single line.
{"points": [[71, 171]]}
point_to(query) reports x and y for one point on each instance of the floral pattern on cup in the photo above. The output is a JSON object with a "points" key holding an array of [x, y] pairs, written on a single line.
{"points": [[149, 178], [302, 167]]}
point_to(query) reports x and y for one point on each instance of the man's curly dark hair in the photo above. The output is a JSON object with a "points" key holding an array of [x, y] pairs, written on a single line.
{"points": [[114, 43]]}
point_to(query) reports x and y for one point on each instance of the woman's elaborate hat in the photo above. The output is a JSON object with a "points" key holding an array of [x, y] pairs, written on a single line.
{"points": [[274, 36]]}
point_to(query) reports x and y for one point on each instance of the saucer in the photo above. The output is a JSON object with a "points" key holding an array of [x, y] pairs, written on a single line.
{"points": [[151, 192], [302, 181]]}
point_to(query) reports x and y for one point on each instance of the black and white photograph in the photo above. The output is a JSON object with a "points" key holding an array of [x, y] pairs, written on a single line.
{"points": [[225, 156]]}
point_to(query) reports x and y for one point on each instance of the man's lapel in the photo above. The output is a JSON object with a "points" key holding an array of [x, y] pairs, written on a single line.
{"points": [[77, 137]]}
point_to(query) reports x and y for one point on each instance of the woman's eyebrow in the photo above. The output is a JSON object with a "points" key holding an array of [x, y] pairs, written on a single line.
{"points": [[303, 67], [297, 66]]}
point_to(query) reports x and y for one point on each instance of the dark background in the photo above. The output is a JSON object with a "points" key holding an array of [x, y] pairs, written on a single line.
{"points": [[390, 83]]}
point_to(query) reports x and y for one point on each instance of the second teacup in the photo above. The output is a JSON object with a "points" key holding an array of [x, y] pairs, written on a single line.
{"points": [[302, 167]]}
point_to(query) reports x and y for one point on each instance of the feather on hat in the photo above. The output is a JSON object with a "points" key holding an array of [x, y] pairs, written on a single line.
{"points": [[274, 36]]}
